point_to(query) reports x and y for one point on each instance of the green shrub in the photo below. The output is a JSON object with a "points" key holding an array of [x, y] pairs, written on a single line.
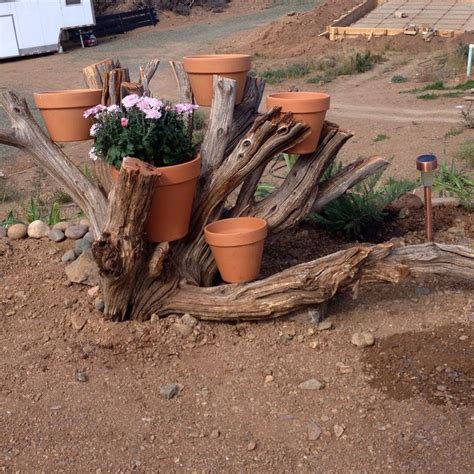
{"points": [[398, 79], [294, 71], [435, 86], [427, 96], [452, 181], [466, 85], [466, 152], [356, 212], [358, 63], [381, 137]]}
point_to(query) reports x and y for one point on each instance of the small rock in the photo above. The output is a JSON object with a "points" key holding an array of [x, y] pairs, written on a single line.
{"points": [[344, 369], [441, 388], [292, 13], [154, 318], [189, 320], [81, 245], [182, 329], [88, 236], [56, 235], [85, 222], [69, 256], [464, 337], [38, 229], [83, 270], [324, 418], [338, 431], [407, 201], [314, 431], [325, 326], [251, 446], [215, 434], [422, 290], [78, 321], [363, 339], [169, 391], [76, 231], [62, 226], [81, 376], [404, 213], [269, 379], [3, 232], [314, 344], [17, 231], [94, 291], [99, 304], [311, 384]]}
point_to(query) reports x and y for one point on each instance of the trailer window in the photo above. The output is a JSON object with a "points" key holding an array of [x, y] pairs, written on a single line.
{"points": [[72, 2]]}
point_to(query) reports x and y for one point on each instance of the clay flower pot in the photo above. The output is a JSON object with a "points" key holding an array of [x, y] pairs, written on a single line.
{"points": [[63, 111], [307, 107], [201, 69], [237, 247], [170, 212]]}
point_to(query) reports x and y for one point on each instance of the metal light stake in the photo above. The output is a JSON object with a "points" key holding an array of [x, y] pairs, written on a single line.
{"points": [[427, 164]]}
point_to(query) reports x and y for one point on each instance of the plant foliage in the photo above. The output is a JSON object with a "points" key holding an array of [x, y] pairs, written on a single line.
{"points": [[32, 212], [355, 212], [453, 181]]}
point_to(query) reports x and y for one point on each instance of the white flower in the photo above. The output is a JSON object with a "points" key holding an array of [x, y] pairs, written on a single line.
{"points": [[94, 129], [92, 154], [113, 108]]}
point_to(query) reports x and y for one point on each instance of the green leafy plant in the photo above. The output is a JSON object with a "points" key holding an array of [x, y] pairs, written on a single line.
{"points": [[466, 152], [453, 132], [467, 115], [62, 197], [32, 212], [453, 181], [357, 63], [10, 219], [87, 171], [398, 79], [356, 212], [142, 127], [381, 137], [54, 214]]}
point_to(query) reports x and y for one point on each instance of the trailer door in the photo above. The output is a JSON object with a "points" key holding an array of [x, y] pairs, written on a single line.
{"points": [[8, 40]]}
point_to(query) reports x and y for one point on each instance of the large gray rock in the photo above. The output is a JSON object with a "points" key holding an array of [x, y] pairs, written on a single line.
{"points": [[81, 245], [17, 231], [38, 229], [56, 235], [83, 270], [76, 231]]}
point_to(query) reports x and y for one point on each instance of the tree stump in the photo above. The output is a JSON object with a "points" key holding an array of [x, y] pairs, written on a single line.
{"points": [[139, 279]]}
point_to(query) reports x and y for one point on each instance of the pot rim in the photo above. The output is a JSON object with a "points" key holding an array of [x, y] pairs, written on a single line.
{"points": [[236, 231], [74, 98], [217, 63], [300, 102]]}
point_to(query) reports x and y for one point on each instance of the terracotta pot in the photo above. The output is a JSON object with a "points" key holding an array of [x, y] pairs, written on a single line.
{"points": [[63, 111], [201, 69], [307, 107], [237, 247], [170, 211]]}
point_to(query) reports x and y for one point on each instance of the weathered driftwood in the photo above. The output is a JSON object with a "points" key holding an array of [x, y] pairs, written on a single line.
{"points": [[139, 279]]}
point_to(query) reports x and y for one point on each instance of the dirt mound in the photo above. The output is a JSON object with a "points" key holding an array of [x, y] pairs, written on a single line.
{"points": [[296, 33]]}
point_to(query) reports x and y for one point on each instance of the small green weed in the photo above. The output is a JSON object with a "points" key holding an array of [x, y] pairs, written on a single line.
{"points": [[452, 181], [10, 219], [62, 197], [381, 137], [294, 71], [54, 214], [427, 96], [453, 132], [87, 171], [398, 79], [465, 85], [435, 86], [32, 212]]}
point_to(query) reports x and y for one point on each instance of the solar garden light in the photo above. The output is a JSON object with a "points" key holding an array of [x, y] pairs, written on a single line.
{"points": [[427, 164]]}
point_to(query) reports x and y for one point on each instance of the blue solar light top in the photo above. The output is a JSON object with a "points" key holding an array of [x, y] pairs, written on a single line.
{"points": [[426, 158]]}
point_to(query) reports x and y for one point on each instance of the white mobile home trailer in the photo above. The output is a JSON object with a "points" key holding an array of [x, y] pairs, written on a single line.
{"points": [[36, 26]]}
